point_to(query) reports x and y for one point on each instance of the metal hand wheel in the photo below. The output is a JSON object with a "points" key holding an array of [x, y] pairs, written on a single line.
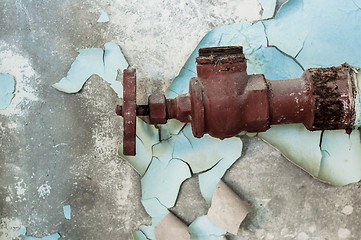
{"points": [[129, 111]]}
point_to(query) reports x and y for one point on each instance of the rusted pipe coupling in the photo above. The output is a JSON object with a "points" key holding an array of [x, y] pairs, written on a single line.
{"points": [[223, 100]]}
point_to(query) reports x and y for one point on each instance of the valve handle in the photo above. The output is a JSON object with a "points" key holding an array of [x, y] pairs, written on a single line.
{"points": [[129, 111]]}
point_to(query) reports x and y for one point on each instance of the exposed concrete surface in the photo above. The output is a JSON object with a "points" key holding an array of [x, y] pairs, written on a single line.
{"points": [[58, 149]]}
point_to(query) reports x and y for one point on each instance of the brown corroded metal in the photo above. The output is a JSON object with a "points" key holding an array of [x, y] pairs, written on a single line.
{"points": [[224, 100], [157, 109], [129, 111]]}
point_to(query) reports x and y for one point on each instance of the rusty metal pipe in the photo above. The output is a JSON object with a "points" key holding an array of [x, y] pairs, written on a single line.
{"points": [[290, 101], [223, 100]]}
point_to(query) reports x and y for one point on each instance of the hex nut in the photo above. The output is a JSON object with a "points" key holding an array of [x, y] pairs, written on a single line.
{"points": [[157, 109]]}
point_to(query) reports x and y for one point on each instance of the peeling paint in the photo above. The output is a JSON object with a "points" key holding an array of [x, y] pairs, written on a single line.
{"points": [[22, 231], [67, 212], [268, 8], [162, 181], [203, 229], [147, 137], [103, 18], [171, 227], [139, 235], [54, 236], [18, 66], [227, 209], [7, 88], [267, 54], [300, 26], [104, 63], [294, 141], [208, 180]]}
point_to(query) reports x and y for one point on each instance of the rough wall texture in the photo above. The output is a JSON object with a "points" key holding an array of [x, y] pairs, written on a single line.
{"points": [[58, 149]]}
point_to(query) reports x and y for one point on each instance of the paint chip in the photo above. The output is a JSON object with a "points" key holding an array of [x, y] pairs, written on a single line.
{"points": [[208, 180], [203, 229], [103, 18], [268, 8], [171, 227], [67, 211], [7, 88], [227, 209], [162, 181], [54, 236], [22, 231], [95, 61], [139, 235]]}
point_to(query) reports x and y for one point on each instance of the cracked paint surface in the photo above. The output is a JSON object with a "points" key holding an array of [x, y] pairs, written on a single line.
{"points": [[323, 32], [203, 229], [267, 52], [320, 154], [317, 42], [175, 159], [270, 51]]}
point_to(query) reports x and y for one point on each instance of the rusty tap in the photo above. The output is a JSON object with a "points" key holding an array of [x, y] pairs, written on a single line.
{"points": [[223, 100]]}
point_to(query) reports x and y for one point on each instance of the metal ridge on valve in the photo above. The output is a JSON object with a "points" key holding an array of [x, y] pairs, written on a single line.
{"points": [[223, 100]]}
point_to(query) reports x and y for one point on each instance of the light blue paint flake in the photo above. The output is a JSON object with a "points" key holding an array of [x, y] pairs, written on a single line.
{"points": [[297, 144], [103, 18], [7, 88], [67, 211], [341, 155], [337, 161], [208, 180], [149, 230], [163, 180], [203, 229], [154, 208], [268, 7], [95, 61], [54, 236], [22, 231], [139, 235]]}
